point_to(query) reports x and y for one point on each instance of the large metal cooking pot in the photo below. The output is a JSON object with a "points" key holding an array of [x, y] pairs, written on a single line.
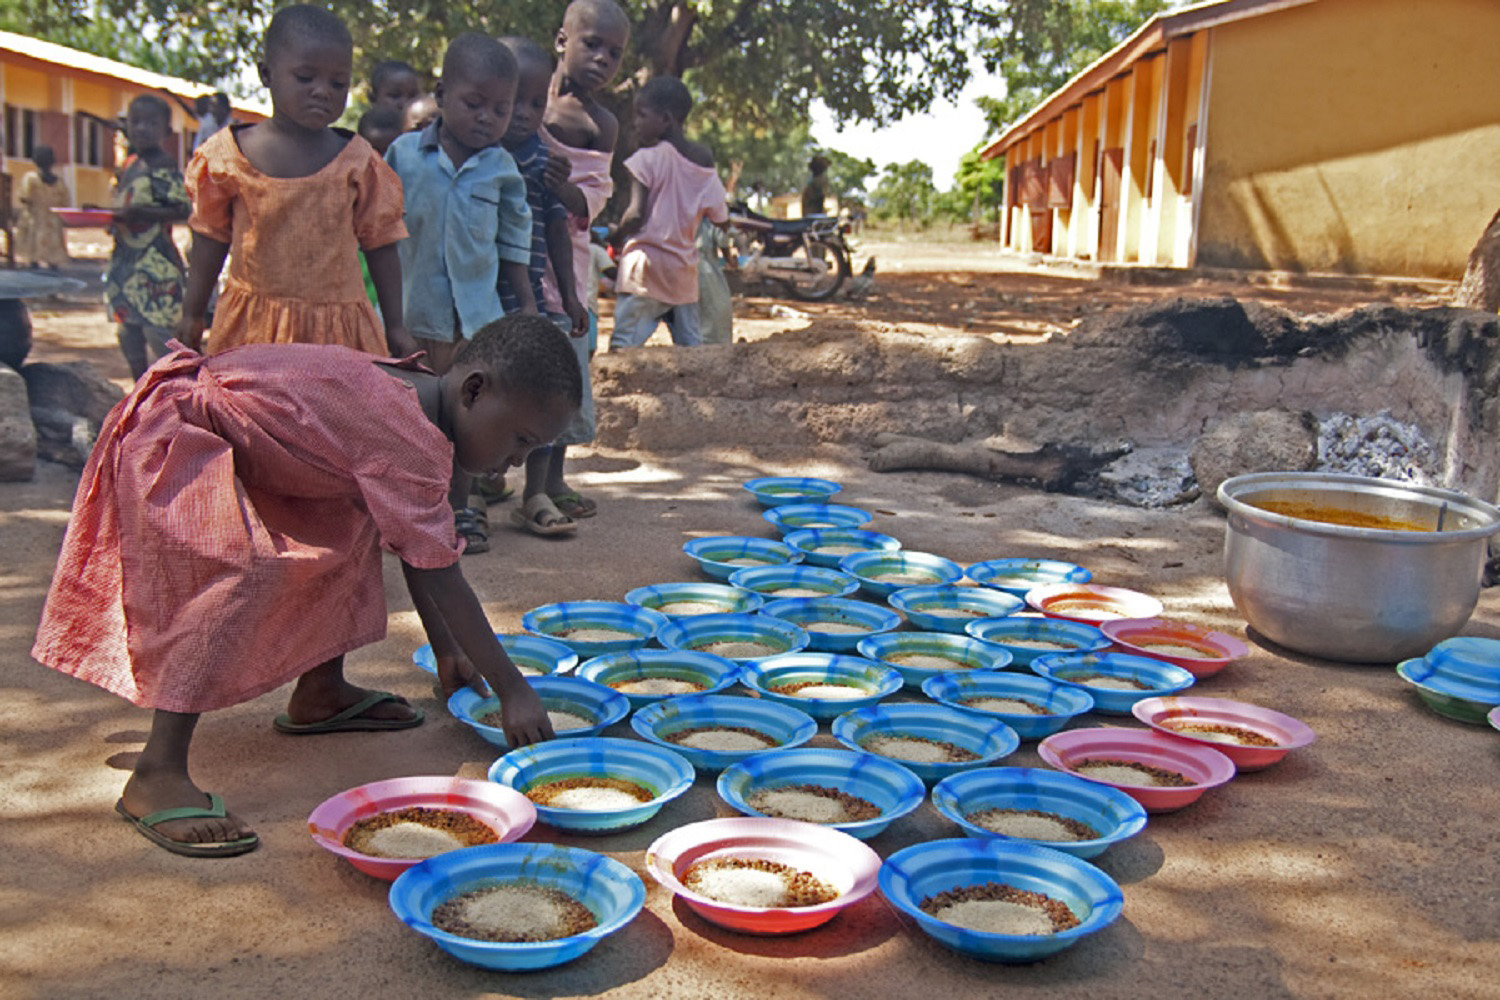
{"points": [[1355, 594]]}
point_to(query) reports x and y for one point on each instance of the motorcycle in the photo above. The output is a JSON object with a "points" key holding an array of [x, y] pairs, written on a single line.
{"points": [[809, 258]]}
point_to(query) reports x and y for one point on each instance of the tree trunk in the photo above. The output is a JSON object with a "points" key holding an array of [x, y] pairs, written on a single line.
{"points": [[1480, 288]]}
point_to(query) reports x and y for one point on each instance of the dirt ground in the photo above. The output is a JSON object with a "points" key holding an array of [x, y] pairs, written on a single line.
{"points": [[1362, 866]]}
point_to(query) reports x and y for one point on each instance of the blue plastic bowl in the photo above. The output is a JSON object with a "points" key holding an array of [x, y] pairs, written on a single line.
{"points": [[948, 607], [919, 872], [556, 621], [788, 727], [612, 892], [872, 681], [958, 652], [988, 740], [1467, 657], [1159, 678], [772, 581], [918, 569], [794, 516], [1060, 702], [720, 555], [809, 612], [621, 671], [532, 655], [676, 600], [1453, 696], [826, 546], [777, 491], [702, 631], [663, 771], [562, 694], [888, 786], [1109, 811], [1011, 635], [1017, 576]]}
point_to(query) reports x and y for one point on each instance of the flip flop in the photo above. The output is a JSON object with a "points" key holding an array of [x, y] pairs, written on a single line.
{"points": [[146, 827], [575, 504], [540, 516], [351, 719], [493, 491]]}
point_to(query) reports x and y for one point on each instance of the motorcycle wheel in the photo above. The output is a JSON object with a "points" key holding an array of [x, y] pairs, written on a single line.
{"points": [[816, 287]]}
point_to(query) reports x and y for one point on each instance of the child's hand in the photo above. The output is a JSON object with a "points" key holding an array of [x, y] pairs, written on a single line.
{"points": [[522, 716], [400, 343], [578, 314], [557, 172], [190, 331], [456, 671]]}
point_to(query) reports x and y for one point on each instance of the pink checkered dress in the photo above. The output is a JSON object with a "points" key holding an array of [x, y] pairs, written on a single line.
{"points": [[227, 530]]}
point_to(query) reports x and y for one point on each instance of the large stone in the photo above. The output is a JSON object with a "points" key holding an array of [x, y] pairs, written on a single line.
{"points": [[71, 387], [63, 437], [1261, 441], [15, 332], [17, 436]]}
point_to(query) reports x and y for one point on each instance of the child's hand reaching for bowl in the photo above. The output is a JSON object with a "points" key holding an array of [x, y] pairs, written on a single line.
{"points": [[522, 716], [455, 671]]}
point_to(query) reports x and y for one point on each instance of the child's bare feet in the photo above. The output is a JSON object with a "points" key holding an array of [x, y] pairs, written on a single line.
{"points": [[211, 831]]}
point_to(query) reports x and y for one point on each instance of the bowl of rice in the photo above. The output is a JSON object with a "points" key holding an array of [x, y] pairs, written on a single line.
{"points": [[645, 676], [595, 784], [1000, 900], [833, 624], [1158, 771], [517, 907], [950, 607], [920, 655], [1115, 680], [1092, 604], [1251, 736], [743, 639], [932, 741], [1050, 808], [821, 684], [533, 655], [1033, 707], [776, 582], [385, 827], [881, 574], [826, 546], [1018, 575], [759, 875], [682, 599], [776, 491], [574, 706], [719, 556], [795, 516], [1200, 651], [1025, 639], [716, 730], [849, 790], [593, 628]]}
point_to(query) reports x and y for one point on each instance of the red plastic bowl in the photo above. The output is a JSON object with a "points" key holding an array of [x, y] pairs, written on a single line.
{"points": [[1204, 766], [1095, 605], [80, 217], [504, 810], [1289, 733], [1137, 635]]}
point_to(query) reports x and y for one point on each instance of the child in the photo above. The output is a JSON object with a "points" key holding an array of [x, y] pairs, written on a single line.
{"points": [[394, 85], [144, 283], [815, 193], [581, 133], [296, 199], [227, 535], [551, 243], [420, 113], [39, 231], [469, 222], [378, 126], [673, 186]]}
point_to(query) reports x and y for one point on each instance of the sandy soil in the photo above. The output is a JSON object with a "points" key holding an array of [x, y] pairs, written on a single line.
{"points": [[1361, 866]]}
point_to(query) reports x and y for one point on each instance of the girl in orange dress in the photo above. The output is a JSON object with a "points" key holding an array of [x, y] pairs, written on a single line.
{"points": [[290, 202]]}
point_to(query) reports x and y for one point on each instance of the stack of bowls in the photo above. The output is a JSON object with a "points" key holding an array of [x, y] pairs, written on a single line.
{"points": [[1458, 678]]}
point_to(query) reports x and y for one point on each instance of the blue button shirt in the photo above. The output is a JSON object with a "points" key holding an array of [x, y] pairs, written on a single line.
{"points": [[462, 222]]}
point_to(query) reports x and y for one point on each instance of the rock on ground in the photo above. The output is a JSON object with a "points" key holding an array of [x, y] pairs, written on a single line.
{"points": [[17, 435], [1264, 441]]}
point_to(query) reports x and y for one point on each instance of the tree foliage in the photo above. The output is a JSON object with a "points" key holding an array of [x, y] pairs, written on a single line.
{"points": [[905, 192]]}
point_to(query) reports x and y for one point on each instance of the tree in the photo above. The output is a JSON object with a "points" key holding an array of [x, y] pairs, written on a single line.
{"points": [[905, 191], [978, 186]]}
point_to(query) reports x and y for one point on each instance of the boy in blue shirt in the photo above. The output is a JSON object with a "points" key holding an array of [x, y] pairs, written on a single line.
{"points": [[469, 221]]}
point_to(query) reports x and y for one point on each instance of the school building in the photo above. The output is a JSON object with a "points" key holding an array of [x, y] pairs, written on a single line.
{"points": [[49, 91], [1348, 136]]}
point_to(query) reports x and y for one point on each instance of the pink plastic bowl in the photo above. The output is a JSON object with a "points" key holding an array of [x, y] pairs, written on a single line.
{"points": [[1205, 767], [1097, 605], [833, 856], [1494, 717], [101, 217], [1289, 733], [1137, 635], [504, 810]]}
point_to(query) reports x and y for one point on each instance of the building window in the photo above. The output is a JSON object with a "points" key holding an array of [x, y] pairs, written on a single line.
{"points": [[89, 142], [20, 131]]}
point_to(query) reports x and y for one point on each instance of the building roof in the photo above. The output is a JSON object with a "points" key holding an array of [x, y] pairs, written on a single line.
{"points": [[1151, 38], [88, 63]]}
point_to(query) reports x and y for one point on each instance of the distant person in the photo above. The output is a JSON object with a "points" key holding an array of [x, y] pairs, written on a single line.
{"points": [[815, 193], [420, 113], [673, 187], [40, 237], [393, 86]]}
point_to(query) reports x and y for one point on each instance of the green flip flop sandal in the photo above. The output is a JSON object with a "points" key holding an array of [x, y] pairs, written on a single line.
{"points": [[146, 826], [575, 504], [352, 719]]}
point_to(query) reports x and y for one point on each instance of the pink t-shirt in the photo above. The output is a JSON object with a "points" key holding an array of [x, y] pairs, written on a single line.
{"points": [[661, 260]]}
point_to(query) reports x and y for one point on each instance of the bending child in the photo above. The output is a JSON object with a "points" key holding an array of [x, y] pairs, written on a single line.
{"points": [[226, 539]]}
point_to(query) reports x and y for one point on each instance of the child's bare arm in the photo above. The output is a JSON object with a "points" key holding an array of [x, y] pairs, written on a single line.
{"points": [[456, 625], [570, 194], [635, 213], [385, 272], [560, 253], [520, 282], [205, 261]]}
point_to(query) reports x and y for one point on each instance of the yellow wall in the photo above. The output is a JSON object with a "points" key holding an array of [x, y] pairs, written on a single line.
{"points": [[1354, 136]]}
